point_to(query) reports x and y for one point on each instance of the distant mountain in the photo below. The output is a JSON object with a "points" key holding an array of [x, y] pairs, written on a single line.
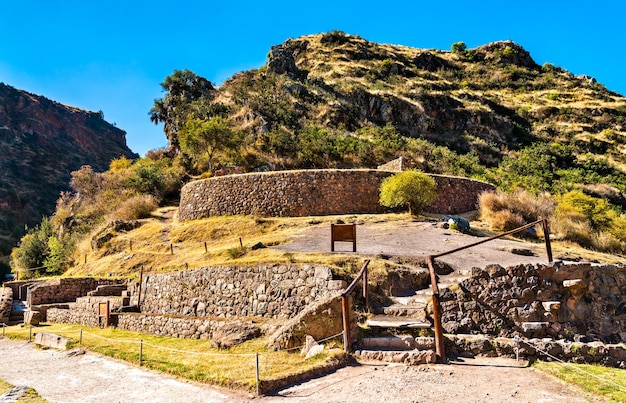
{"points": [[41, 143]]}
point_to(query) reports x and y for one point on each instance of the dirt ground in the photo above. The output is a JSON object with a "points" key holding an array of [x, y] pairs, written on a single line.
{"points": [[60, 377], [420, 239]]}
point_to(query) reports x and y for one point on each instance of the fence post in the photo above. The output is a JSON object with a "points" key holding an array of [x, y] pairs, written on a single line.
{"points": [[130, 245], [346, 324], [439, 342], [258, 380], [30, 332], [171, 249], [366, 291], [80, 339], [546, 235], [140, 352], [206, 249]]}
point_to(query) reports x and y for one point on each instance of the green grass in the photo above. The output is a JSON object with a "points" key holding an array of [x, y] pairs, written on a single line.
{"points": [[5, 387], [189, 359], [609, 383]]}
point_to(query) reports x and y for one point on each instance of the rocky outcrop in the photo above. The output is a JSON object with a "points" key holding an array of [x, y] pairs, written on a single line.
{"points": [[41, 143]]}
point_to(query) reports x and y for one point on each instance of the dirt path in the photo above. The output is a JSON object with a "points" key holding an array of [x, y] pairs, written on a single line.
{"points": [[58, 377]]}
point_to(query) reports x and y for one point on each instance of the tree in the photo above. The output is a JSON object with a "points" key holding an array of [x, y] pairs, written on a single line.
{"points": [[412, 189], [199, 138], [459, 47], [182, 88]]}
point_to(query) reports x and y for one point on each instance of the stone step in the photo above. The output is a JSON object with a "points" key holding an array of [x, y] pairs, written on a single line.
{"points": [[397, 343], [386, 321], [413, 357]]}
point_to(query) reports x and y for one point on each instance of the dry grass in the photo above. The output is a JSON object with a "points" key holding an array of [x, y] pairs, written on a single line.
{"points": [[163, 244]]}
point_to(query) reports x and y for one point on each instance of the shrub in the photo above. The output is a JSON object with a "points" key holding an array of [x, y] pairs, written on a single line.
{"points": [[506, 211], [413, 189], [136, 207]]}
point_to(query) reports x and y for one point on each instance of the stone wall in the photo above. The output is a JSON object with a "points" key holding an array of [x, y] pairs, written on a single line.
{"points": [[271, 291], [85, 311], [580, 302], [65, 289], [312, 192], [173, 326]]}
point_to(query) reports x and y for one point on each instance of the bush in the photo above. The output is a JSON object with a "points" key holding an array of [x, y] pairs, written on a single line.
{"points": [[413, 189], [507, 211], [136, 207]]}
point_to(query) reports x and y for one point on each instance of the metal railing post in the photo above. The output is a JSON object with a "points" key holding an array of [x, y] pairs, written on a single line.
{"points": [[346, 324]]}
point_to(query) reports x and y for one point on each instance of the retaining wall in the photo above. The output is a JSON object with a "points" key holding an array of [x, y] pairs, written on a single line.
{"points": [[272, 291], [85, 311], [579, 302], [313, 192], [64, 289]]}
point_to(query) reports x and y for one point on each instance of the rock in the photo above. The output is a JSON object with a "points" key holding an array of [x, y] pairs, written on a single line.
{"points": [[455, 222], [314, 350], [234, 333], [258, 245], [111, 230]]}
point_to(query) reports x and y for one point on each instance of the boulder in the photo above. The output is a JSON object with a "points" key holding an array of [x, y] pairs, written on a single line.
{"points": [[234, 333]]}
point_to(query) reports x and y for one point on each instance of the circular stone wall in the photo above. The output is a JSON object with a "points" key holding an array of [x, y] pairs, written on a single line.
{"points": [[313, 192]]}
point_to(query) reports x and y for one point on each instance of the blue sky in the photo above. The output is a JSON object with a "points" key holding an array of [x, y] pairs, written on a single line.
{"points": [[112, 55]]}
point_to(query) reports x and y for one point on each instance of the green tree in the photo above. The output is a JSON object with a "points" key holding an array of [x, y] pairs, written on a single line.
{"points": [[203, 138], [56, 256], [33, 250], [182, 88], [413, 189], [459, 47]]}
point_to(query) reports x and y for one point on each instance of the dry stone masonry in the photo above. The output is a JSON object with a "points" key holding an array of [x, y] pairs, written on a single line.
{"points": [[313, 192], [580, 302], [273, 291]]}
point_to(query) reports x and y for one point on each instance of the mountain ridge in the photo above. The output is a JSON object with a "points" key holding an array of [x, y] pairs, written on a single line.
{"points": [[41, 142]]}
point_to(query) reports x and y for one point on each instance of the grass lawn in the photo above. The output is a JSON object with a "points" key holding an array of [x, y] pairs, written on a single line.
{"points": [[191, 359], [609, 383]]}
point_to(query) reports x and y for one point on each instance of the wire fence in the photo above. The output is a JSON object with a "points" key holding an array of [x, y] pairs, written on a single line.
{"points": [[168, 248], [242, 369], [519, 340]]}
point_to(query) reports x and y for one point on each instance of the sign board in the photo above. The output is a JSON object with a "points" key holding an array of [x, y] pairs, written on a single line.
{"points": [[342, 233], [104, 312]]}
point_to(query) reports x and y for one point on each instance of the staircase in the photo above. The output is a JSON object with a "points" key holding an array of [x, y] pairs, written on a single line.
{"points": [[17, 312], [400, 330]]}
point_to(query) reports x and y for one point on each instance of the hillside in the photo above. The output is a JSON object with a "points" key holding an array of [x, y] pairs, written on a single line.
{"points": [[335, 100], [41, 143]]}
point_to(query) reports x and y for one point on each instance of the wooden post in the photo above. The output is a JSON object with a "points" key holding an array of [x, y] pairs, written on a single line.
{"points": [[206, 249], [366, 291], [171, 249], [140, 352], [130, 244], [346, 324], [439, 342], [140, 284], [258, 379], [546, 235]]}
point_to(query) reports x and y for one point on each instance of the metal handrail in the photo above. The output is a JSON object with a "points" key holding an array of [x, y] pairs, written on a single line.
{"points": [[439, 342]]}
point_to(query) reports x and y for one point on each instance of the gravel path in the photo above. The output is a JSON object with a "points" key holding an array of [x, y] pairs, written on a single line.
{"points": [[58, 377]]}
